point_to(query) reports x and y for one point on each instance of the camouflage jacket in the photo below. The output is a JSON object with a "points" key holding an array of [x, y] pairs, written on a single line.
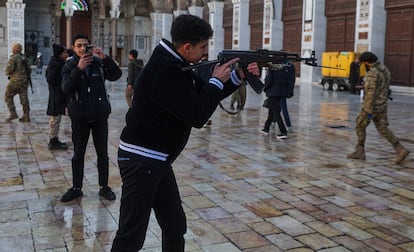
{"points": [[376, 86], [18, 69]]}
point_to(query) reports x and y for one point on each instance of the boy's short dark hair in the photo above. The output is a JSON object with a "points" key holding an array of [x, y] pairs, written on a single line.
{"points": [[80, 36], [189, 29], [133, 53], [368, 57]]}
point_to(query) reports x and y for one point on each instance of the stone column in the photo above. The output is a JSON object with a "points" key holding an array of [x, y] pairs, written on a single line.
{"points": [[114, 12], [216, 43], [272, 25], [95, 24], [313, 37], [54, 23], [371, 18], [101, 24], [15, 23], [181, 8], [69, 14], [196, 8], [161, 21], [241, 27]]}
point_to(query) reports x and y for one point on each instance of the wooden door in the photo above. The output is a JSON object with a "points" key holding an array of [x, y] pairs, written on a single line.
{"points": [[292, 28], [81, 23], [399, 46], [256, 24]]}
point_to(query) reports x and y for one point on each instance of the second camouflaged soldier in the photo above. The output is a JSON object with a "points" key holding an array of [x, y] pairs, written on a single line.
{"points": [[374, 107], [17, 70]]}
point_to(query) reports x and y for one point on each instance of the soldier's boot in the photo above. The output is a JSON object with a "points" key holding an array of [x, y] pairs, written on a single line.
{"points": [[25, 117], [359, 153], [402, 153], [13, 115]]}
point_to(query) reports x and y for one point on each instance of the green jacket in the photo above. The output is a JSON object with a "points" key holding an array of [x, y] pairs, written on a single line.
{"points": [[376, 86], [18, 69]]}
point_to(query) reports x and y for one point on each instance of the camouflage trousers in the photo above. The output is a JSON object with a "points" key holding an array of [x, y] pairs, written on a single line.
{"points": [[13, 89], [54, 125], [239, 97], [380, 120]]}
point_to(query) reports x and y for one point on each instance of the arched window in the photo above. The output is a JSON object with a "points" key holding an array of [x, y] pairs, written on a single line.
{"points": [[77, 5]]}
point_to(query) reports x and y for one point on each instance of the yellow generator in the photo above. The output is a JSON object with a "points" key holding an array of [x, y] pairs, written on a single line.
{"points": [[336, 73]]}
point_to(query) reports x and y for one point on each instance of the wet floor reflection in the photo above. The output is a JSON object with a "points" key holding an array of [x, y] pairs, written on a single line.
{"points": [[241, 191]]}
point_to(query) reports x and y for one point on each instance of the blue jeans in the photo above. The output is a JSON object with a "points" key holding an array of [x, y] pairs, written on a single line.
{"points": [[283, 107]]}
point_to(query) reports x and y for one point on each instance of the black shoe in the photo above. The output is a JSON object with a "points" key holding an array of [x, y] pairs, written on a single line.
{"points": [[107, 193], [71, 194], [55, 144], [282, 136]]}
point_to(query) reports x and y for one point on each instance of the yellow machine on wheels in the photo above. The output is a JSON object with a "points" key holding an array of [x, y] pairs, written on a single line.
{"points": [[336, 74]]}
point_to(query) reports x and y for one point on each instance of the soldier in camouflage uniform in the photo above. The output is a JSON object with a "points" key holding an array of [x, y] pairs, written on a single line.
{"points": [[374, 107], [17, 70]]}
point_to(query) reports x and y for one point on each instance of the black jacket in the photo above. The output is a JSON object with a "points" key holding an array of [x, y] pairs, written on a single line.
{"points": [[354, 77], [280, 82], [85, 91], [56, 104], [134, 68], [168, 102]]}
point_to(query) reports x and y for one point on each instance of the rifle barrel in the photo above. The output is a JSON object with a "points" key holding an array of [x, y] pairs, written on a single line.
{"points": [[202, 64]]}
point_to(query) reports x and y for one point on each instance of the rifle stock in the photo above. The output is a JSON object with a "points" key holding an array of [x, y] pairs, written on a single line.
{"points": [[263, 57]]}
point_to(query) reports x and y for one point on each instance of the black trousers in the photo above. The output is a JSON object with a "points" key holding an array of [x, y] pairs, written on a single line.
{"points": [[148, 184], [80, 135], [274, 115]]}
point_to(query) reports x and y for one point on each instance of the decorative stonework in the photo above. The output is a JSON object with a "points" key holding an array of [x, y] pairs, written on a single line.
{"points": [[15, 23]]}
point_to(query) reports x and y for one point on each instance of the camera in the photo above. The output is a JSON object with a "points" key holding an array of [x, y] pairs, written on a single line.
{"points": [[89, 49]]}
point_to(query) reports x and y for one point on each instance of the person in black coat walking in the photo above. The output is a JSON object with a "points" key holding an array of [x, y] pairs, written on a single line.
{"points": [[56, 104], [278, 84]]}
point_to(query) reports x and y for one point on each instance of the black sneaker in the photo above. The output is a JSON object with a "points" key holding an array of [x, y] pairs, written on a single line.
{"points": [[55, 144], [264, 132], [107, 193], [281, 136], [71, 194]]}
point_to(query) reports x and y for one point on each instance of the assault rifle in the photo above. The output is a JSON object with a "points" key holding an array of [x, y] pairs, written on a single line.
{"points": [[263, 57]]}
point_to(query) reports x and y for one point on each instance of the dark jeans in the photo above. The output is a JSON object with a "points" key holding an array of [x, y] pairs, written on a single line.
{"points": [[80, 135], [283, 107], [274, 115], [148, 184]]}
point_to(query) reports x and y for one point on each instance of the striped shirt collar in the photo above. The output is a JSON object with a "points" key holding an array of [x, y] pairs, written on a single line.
{"points": [[166, 46]]}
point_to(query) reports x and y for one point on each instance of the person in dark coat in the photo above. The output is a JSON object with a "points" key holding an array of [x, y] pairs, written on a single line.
{"points": [[354, 75], [167, 103], [56, 105], [83, 83], [135, 66], [278, 84]]}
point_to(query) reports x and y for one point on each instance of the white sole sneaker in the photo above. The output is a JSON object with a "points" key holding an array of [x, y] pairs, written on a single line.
{"points": [[281, 136], [264, 132]]}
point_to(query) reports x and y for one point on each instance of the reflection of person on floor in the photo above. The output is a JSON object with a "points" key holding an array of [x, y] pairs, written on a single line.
{"points": [[239, 97], [374, 107], [354, 78], [167, 103]]}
